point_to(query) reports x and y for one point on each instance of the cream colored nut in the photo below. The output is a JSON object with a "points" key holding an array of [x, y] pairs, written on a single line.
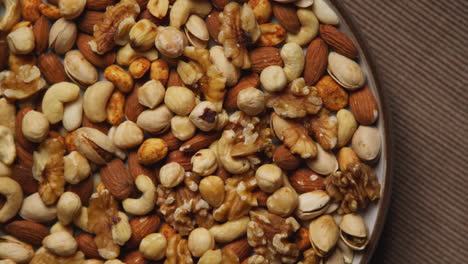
{"points": [[189, 72], [204, 162], [95, 101], [55, 97], [139, 67], [231, 230], [158, 8], [5, 171], [273, 79], [200, 240], [79, 70], [171, 174], [128, 135], [95, 145], [151, 94], [345, 71], [68, 206], [325, 162], [7, 114], [71, 9], [73, 114], [94, 261], [114, 261], [152, 150], [11, 14], [179, 100], [155, 121], [121, 231], [34, 209], [61, 243], [366, 143], [21, 40], [312, 204], [171, 42], [251, 101], [197, 32], [212, 190], [222, 120], [15, 250], [223, 150], [204, 116], [282, 202], [146, 202], [62, 36], [81, 219], [143, 34], [293, 58], [182, 9], [249, 23], [346, 126], [13, 193], [153, 246], [325, 13], [7, 143], [119, 77], [309, 28], [58, 227], [76, 167], [126, 55], [7, 261], [182, 128], [35, 126], [269, 177], [211, 257], [223, 65], [304, 3], [347, 156]]}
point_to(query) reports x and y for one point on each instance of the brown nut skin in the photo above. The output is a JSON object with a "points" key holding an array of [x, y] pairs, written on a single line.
{"points": [[132, 107], [88, 19], [285, 159], [52, 68], [41, 30], [152, 150], [304, 180], [101, 61]]}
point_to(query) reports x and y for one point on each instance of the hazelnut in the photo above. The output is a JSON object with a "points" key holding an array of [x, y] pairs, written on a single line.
{"points": [[251, 100], [204, 162], [204, 116], [171, 42], [153, 246], [155, 121], [151, 94], [171, 174], [179, 100], [21, 40], [62, 36], [143, 34], [212, 190], [273, 79], [151, 151], [269, 177], [282, 202], [71, 9], [35, 126], [182, 128], [128, 135], [200, 240]]}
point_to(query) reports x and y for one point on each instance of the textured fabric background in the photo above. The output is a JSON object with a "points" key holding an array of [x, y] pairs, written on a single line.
{"points": [[419, 48]]}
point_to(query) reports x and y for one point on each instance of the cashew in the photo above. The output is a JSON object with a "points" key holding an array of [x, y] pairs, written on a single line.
{"points": [[232, 165], [15, 250], [14, 196], [146, 202], [182, 9], [55, 97], [68, 206], [5, 171], [325, 13], [76, 167], [293, 58], [61, 243], [34, 209], [95, 101], [11, 15], [223, 65], [7, 146], [230, 230], [309, 29], [73, 114], [7, 114]]}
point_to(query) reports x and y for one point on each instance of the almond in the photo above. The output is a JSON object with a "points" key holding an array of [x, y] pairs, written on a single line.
{"points": [[52, 68], [183, 158], [135, 257], [199, 141], [136, 168], [240, 247], [41, 30], [347, 156], [23, 175], [141, 227], [174, 79], [287, 16], [251, 80], [316, 61], [363, 106], [84, 189], [27, 231], [263, 57], [100, 61], [338, 41], [117, 179], [304, 180], [23, 156], [132, 107], [20, 138], [172, 142], [213, 24], [88, 19], [284, 158], [219, 4], [102, 126], [87, 245], [99, 4]]}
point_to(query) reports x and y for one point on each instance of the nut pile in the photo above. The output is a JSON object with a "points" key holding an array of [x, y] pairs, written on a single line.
{"points": [[216, 135]]}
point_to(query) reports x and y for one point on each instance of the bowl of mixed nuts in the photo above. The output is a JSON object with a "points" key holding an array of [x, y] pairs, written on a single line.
{"points": [[188, 131]]}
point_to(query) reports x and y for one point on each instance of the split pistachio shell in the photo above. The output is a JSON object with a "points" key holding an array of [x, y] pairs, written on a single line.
{"points": [[335, 258], [366, 142], [62, 35], [325, 162], [353, 231], [94, 144], [345, 71], [323, 234], [304, 3], [325, 13], [197, 32], [312, 204], [79, 70]]}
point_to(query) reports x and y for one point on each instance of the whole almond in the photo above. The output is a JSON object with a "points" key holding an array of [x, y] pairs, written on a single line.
{"points": [[87, 245], [363, 106], [172, 142], [174, 79], [99, 4], [132, 107], [23, 175], [286, 15], [263, 57], [304, 180], [141, 227], [100, 61], [284, 158], [338, 41], [251, 80], [117, 179], [241, 248], [135, 257], [136, 168], [102, 126], [84, 189], [199, 141], [219, 4], [41, 30], [88, 19], [23, 156], [213, 24], [27, 231], [52, 68], [183, 158], [316, 61]]}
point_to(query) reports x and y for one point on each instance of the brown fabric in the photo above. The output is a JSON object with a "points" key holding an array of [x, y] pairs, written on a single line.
{"points": [[419, 47]]}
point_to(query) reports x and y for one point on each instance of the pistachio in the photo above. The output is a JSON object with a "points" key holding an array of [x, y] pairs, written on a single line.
{"points": [[325, 162], [324, 234], [95, 145], [62, 36], [345, 71], [197, 32], [366, 143], [353, 231], [346, 126], [79, 70], [312, 204]]}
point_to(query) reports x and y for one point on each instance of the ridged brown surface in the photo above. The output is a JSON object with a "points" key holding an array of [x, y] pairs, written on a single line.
{"points": [[419, 50]]}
